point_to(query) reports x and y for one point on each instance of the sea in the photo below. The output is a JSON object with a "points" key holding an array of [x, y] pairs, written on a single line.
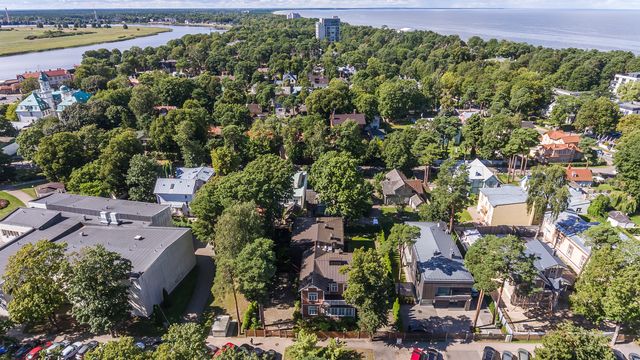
{"points": [[565, 28]]}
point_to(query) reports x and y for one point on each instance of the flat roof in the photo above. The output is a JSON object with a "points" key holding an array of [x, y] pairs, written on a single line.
{"points": [[505, 195], [175, 186], [30, 217], [92, 205], [438, 256]]}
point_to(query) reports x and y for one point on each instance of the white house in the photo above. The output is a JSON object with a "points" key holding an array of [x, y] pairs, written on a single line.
{"points": [[621, 79], [628, 108], [178, 192], [565, 237], [480, 176], [620, 219]]}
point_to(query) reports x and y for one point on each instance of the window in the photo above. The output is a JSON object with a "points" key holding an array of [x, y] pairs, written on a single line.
{"points": [[443, 291], [342, 311], [583, 259], [569, 250], [313, 296], [333, 287], [312, 310]]}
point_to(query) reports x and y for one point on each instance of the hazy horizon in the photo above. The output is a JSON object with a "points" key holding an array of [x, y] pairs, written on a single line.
{"points": [[323, 4]]}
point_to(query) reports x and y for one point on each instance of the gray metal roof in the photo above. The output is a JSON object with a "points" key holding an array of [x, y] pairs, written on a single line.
{"points": [[505, 195], [175, 186], [572, 226], [92, 205], [544, 257], [438, 256], [29, 217], [81, 231], [202, 173]]}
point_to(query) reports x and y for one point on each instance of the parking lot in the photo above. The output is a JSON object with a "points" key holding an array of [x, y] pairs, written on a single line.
{"points": [[440, 320]]}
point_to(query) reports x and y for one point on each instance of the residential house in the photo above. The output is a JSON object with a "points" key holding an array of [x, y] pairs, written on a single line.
{"points": [[469, 237], [628, 108], [321, 284], [337, 119], [565, 236], [620, 219], [436, 268], [557, 146], [57, 77], [579, 200], [293, 15], [255, 110], [466, 114], [46, 101], [161, 255], [318, 81], [582, 177], [621, 79], [9, 87], [549, 283], [480, 176], [299, 189], [505, 205], [178, 192], [163, 110], [398, 190]]}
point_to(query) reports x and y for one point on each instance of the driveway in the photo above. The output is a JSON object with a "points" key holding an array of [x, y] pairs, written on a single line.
{"points": [[202, 293], [441, 320], [21, 195]]}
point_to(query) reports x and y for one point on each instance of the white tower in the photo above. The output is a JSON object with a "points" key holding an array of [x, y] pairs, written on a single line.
{"points": [[45, 92]]}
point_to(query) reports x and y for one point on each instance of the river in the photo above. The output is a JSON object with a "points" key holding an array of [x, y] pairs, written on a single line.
{"points": [[12, 65], [585, 29]]}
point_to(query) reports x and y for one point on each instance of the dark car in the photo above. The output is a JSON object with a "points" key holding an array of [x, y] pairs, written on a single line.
{"points": [[270, 355], [212, 349], [258, 352], [431, 354], [245, 348], [490, 353], [507, 355], [84, 349], [634, 356], [24, 350], [619, 355], [523, 354], [8, 347]]}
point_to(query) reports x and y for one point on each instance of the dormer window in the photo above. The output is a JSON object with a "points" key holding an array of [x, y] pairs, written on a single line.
{"points": [[333, 287]]}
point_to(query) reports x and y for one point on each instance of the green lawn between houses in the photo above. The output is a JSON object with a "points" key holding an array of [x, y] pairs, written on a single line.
{"points": [[14, 203]]}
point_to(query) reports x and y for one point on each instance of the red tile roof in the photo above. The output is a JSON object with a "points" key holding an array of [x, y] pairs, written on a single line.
{"points": [[49, 73], [579, 175]]}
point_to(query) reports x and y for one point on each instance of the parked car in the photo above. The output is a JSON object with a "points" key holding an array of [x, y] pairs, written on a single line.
{"points": [[431, 354], [24, 349], [70, 351], [507, 355], [619, 355], [56, 346], [245, 348], [212, 349], [258, 352], [34, 353], [8, 347], [490, 353], [416, 354], [270, 355], [84, 349], [523, 354], [634, 356]]}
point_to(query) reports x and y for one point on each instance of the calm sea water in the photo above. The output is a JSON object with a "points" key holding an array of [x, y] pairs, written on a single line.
{"points": [[585, 29], [12, 65]]}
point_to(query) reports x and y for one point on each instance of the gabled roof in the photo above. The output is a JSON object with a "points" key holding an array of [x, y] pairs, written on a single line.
{"points": [[620, 217], [505, 195], [571, 225], [478, 170], [544, 255], [49, 73], [395, 180], [175, 186], [337, 119], [323, 230], [438, 257], [579, 174]]}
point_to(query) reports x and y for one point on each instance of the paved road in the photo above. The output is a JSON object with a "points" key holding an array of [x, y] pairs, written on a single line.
{"points": [[21, 195]]}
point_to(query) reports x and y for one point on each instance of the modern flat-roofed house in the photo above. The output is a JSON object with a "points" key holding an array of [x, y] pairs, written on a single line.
{"points": [[436, 268], [565, 237], [583, 177], [549, 283], [505, 205], [480, 176], [161, 255], [299, 189], [628, 108], [398, 190], [321, 284], [621, 79]]}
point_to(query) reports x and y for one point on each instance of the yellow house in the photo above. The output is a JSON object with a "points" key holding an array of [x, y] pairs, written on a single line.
{"points": [[505, 205]]}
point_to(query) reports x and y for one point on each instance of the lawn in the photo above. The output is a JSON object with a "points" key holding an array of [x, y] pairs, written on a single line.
{"points": [[361, 242], [13, 203], [636, 219], [180, 297], [15, 42], [29, 191], [464, 217], [503, 179]]}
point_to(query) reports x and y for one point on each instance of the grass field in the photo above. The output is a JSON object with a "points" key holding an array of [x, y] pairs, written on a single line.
{"points": [[14, 42], [13, 203]]}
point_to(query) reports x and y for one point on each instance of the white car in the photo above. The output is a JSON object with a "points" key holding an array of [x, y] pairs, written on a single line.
{"points": [[55, 346], [70, 350]]}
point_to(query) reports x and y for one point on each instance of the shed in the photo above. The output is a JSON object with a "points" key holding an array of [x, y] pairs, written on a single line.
{"points": [[220, 326]]}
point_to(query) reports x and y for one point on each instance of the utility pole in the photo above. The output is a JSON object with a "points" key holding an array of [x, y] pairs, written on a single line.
{"points": [[6, 11], [95, 15]]}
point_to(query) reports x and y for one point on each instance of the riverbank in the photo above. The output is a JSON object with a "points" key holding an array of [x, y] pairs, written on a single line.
{"points": [[15, 41]]}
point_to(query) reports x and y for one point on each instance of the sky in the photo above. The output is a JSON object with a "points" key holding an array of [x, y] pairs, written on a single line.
{"points": [[100, 4]]}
